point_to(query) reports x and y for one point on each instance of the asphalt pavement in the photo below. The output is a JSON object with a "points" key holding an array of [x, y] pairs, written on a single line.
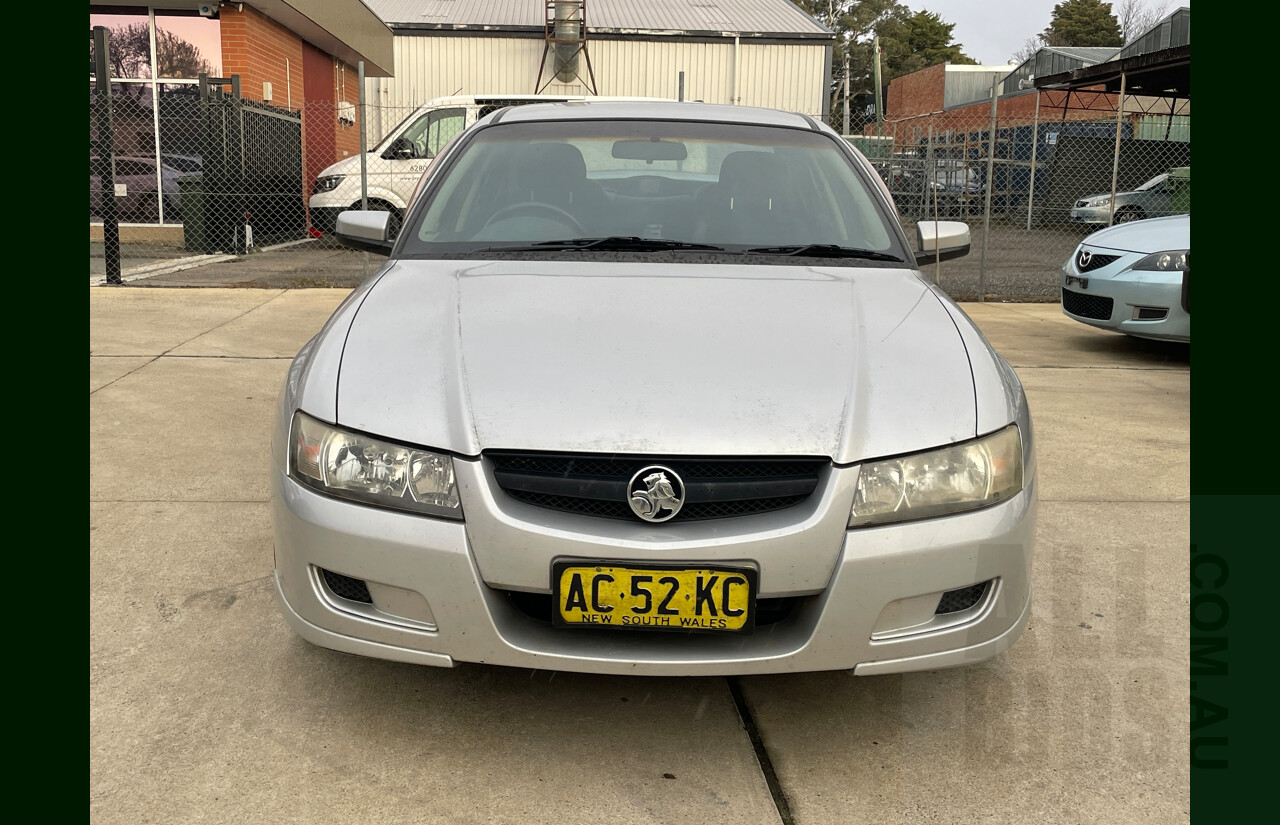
{"points": [[204, 706]]}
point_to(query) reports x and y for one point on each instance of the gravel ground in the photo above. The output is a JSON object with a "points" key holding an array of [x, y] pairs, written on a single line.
{"points": [[1021, 266]]}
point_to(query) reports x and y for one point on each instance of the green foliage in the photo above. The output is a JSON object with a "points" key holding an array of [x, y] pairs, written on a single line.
{"points": [[909, 40], [1083, 23]]}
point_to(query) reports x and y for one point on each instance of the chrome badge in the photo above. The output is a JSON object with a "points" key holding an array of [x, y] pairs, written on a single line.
{"points": [[1082, 260], [656, 493]]}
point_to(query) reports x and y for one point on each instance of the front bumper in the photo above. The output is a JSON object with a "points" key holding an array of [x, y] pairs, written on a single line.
{"points": [[441, 589], [1091, 215], [1133, 294]]}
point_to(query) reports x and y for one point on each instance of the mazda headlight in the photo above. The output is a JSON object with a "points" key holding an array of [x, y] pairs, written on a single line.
{"points": [[327, 183], [369, 470], [954, 479], [1174, 260]]}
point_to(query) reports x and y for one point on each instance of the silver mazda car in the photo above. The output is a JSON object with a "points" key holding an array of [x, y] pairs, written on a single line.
{"points": [[654, 388]]}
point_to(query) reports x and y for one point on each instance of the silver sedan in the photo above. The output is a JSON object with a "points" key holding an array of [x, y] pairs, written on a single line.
{"points": [[654, 389], [1134, 278]]}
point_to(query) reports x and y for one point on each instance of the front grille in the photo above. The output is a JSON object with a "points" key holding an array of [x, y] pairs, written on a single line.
{"points": [[1087, 306], [953, 601], [539, 606], [1096, 262], [345, 587], [596, 485]]}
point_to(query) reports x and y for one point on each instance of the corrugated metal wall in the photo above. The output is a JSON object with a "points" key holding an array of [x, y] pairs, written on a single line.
{"points": [[785, 77], [969, 86], [1164, 127]]}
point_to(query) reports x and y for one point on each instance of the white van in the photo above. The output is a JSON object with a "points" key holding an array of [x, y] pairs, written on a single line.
{"points": [[396, 164]]}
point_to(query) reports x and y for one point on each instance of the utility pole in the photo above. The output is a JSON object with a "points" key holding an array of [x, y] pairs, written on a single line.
{"points": [[846, 93], [879, 111]]}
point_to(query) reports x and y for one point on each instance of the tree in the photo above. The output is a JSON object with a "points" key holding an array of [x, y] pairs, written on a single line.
{"points": [[130, 51], [1137, 18], [176, 57], [131, 54], [911, 42], [1083, 23], [908, 40]]}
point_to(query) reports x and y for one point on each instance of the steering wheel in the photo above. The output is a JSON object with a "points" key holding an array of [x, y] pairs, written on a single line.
{"points": [[536, 209]]}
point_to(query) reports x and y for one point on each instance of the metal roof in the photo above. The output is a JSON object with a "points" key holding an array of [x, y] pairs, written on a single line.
{"points": [[1157, 64], [1172, 31], [754, 17], [605, 110]]}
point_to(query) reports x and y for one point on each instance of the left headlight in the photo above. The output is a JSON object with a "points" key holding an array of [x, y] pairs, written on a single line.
{"points": [[372, 471], [953, 479]]}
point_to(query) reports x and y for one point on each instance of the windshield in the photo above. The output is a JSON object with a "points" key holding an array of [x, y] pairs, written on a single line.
{"points": [[728, 187]]}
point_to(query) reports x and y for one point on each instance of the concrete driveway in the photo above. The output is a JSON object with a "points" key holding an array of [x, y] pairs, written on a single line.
{"points": [[205, 707]]}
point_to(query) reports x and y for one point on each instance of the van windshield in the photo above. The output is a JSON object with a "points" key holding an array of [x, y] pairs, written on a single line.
{"points": [[733, 187]]}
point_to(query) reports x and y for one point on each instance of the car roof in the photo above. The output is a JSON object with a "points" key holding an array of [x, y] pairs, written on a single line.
{"points": [[618, 110]]}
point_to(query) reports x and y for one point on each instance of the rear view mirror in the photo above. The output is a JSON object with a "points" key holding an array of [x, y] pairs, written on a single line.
{"points": [[941, 240], [649, 150], [365, 230]]}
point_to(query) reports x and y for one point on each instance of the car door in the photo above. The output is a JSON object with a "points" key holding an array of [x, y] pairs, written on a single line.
{"points": [[413, 151]]}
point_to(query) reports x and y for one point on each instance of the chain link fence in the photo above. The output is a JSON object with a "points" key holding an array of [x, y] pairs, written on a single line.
{"points": [[203, 175], [1031, 184]]}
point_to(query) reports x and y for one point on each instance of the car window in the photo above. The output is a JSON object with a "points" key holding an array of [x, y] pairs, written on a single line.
{"points": [[132, 168], [732, 186], [442, 126], [433, 130]]}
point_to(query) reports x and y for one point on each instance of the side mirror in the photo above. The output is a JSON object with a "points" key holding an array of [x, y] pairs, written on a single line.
{"points": [[400, 149], [363, 230], [941, 240]]}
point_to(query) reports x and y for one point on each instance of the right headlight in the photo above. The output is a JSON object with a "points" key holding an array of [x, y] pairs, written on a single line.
{"points": [[372, 471], [952, 479]]}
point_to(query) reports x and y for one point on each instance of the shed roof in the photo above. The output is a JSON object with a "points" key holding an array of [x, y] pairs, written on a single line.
{"points": [[699, 17]]}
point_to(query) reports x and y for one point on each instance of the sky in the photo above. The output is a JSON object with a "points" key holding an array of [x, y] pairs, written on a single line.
{"points": [[992, 30]]}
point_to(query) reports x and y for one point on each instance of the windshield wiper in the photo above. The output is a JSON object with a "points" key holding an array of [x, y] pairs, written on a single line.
{"points": [[825, 250], [611, 243]]}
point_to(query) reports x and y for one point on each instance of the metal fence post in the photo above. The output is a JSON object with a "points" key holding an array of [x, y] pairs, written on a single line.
{"points": [[1115, 160], [106, 155], [238, 158], [986, 209], [1035, 143], [364, 161]]}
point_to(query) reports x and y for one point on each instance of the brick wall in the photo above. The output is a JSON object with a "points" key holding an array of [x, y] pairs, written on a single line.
{"points": [[261, 50], [917, 93], [347, 88]]}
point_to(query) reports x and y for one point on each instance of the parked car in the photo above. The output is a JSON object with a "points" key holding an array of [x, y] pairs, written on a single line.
{"points": [[1134, 279], [1150, 200], [395, 165], [139, 203], [953, 185], [654, 389]]}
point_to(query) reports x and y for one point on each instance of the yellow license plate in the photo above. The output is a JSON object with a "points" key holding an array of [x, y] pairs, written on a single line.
{"points": [[654, 597]]}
